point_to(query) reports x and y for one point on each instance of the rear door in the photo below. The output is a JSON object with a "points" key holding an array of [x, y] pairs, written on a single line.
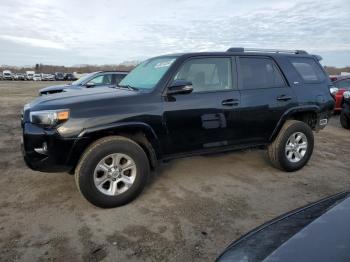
{"points": [[265, 96]]}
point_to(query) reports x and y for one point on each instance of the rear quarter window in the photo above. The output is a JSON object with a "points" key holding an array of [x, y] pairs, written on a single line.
{"points": [[308, 69]]}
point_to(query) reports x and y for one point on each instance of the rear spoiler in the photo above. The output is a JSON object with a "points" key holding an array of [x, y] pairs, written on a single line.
{"points": [[318, 57]]}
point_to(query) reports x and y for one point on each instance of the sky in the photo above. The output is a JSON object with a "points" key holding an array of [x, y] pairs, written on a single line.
{"points": [[74, 32]]}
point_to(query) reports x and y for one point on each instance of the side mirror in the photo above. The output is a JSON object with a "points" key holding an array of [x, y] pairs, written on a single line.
{"points": [[89, 84], [178, 87]]}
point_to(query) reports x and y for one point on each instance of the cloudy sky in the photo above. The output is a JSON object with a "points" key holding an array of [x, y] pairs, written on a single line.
{"points": [[71, 32]]}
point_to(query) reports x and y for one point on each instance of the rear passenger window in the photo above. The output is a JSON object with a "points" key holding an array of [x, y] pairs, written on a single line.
{"points": [[259, 73], [118, 78], [308, 69]]}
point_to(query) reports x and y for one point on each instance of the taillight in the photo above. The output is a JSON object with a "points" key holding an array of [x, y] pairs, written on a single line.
{"points": [[333, 90]]}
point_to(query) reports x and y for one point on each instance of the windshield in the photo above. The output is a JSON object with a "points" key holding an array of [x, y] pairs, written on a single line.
{"points": [[147, 74], [82, 79]]}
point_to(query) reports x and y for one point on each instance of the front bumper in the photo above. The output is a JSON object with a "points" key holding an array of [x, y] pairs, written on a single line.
{"points": [[54, 158]]}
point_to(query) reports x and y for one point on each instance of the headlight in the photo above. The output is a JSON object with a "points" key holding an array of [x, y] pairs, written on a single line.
{"points": [[49, 117], [333, 90], [346, 94]]}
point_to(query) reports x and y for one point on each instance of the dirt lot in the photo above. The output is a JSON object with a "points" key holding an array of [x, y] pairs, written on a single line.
{"points": [[191, 210]]}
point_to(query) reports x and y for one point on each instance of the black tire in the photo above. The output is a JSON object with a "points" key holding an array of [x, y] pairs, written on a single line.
{"points": [[84, 174], [344, 121], [276, 150]]}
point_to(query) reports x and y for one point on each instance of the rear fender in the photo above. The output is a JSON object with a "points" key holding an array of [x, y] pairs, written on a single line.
{"points": [[289, 115]]}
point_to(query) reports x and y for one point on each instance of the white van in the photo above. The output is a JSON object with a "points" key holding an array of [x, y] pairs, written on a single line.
{"points": [[7, 75], [30, 75]]}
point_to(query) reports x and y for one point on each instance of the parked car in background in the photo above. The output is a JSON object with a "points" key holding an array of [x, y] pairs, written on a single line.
{"points": [[47, 77], [174, 106], [0, 75], [59, 76], [50, 77], [96, 79], [7, 75], [37, 77], [29, 75], [70, 77], [345, 113], [342, 83], [20, 76], [318, 232], [43, 77]]}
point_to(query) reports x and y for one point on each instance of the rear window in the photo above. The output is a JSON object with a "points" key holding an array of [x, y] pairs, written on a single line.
{"points": [[308, 69]]}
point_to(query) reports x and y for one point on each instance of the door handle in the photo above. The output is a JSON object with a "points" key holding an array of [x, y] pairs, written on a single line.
{"points": [[284, 98], [230, 102]]}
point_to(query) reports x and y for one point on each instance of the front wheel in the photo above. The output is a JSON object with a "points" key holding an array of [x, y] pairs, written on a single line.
{"points": [[293, 146], [344, 120], [112, 172]]}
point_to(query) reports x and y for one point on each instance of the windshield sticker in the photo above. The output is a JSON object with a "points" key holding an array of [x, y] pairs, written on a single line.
{"points": [[164, 64]]}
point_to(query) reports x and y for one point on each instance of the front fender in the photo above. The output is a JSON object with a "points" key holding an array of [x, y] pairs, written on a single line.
{"points": [[89, 135], [147, 129]]}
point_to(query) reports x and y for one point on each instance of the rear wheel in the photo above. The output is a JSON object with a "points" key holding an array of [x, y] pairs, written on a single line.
{"points": [[112, 172], [293, 146], [344, 120]]}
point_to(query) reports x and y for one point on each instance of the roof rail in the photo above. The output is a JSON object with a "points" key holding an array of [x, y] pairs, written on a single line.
{"points": [[241, 49]]}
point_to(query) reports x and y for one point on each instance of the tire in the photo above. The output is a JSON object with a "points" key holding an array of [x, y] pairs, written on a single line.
{"points": [[344, 121], [119, 187], [292, 156]]}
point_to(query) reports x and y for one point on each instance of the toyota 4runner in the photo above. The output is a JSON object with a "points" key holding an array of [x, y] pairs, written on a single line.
{"points": [[179, 105]]}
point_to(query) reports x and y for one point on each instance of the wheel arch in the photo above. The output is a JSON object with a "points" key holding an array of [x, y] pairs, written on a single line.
{"points": [[307, 114], [140, 132]]}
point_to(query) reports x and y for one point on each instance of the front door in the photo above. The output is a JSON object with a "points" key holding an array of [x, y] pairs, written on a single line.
{"points": [[208, 117]]}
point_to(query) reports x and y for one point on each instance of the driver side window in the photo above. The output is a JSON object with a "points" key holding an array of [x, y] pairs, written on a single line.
{"points": [[102, 80], [207, 74]]}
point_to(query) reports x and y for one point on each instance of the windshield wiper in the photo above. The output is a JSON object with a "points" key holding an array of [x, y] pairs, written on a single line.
{"points": [[129, 87]]}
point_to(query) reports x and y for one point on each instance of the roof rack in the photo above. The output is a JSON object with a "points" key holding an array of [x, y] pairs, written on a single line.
{"points": [[241, 49]]}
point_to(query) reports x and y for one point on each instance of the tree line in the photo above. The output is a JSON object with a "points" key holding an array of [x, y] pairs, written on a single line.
{"points": [[49, 69], [41, 68]]}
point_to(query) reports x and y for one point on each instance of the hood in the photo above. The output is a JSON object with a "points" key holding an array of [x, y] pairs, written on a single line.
{"points": [[68, 99], [55, 88]]}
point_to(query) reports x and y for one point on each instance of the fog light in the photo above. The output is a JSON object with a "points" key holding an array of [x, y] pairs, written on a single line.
{"points": [[42, 150]]}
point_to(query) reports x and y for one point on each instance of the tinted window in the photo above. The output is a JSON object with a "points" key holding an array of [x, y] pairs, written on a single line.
{"points": [[102, 80], [308, 69], [207, 74], [118, 78], [343, 84], [259, 73]]}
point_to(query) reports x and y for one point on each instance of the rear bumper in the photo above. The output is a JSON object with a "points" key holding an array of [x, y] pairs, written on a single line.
{"points": [[54, 158], [322, 120], [346, 109]]}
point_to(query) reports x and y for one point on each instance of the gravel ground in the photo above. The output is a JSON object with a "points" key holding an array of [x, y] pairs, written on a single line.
{"points": [[190, 211]]}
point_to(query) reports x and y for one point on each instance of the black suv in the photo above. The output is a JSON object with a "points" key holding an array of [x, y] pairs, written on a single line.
{"points": [[174, 106]]}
